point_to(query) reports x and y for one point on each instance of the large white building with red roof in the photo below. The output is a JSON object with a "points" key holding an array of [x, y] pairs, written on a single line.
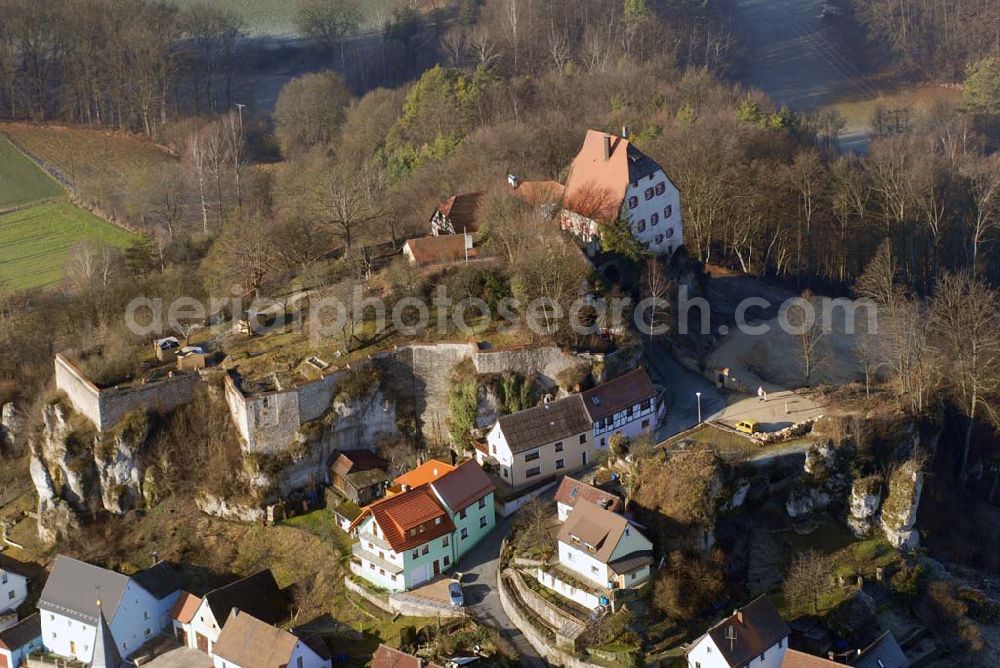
{"points": [[411, 537], [610, 180]]}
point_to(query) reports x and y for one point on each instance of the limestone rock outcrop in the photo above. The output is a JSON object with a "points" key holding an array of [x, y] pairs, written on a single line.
{"points": [[899, 513], [865, 499]]}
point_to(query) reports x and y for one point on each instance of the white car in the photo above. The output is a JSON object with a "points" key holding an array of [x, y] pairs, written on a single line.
{"points": [[455, 594]]}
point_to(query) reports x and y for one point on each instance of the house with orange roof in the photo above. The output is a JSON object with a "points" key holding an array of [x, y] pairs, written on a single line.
{"points": [[437, 515], [427, 472], [611, 180]]}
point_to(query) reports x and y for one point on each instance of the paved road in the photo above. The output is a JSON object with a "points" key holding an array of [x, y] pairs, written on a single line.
{"points": [[682, 409], [479, 577]]}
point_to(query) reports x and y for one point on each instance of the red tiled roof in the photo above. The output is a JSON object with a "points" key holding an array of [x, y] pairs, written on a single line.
{"points": [[537, 193], [185, 607], [439, 250], [461, 211], [387, 657], [417, 510], [618, 394], [427, 472], [796, 659], [571, 490], [464, 485]]}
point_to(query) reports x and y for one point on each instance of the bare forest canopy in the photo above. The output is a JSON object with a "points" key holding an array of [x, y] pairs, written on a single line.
{"points": [[932, 39], [141, 64]]}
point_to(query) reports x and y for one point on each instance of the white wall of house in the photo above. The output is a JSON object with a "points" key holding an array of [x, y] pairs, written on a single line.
{"points": [[628, 423], [204, 624], [650, 224], [138, 618], [13, 590], [584, 564], [706, 654], [583, 597], [556, 458]]}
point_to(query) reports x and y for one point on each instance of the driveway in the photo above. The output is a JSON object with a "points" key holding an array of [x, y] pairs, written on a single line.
{"points": [[479, 579], [683, 386]]}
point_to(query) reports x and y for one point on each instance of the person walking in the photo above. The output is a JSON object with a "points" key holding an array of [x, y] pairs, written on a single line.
{"points": [[760, 393]]}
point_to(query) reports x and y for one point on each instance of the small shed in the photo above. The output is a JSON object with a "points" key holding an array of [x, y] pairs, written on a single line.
{"points": [[359, 475], [167, 348]]}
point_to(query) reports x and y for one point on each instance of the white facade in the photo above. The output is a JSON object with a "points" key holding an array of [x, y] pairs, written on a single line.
{"points": [[636, 420], [584, 597], [581, 562], [302, 657], [137, 619], [13, 590], [203, 630], [652, 207], [531, 466], [706, 654]]}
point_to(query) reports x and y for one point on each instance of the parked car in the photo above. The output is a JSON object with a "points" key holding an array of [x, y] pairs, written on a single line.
{"points": [[455, 593], [748, 426]]}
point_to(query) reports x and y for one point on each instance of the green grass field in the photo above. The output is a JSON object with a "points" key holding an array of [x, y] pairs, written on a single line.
{"points": [[278, 17], [21, 180], [35, 241]]}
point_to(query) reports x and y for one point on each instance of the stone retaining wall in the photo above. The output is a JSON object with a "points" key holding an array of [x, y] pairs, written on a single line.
{"points": [[106, 407]]}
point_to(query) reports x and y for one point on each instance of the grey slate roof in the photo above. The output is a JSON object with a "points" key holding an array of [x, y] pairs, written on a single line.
{"points": [[160, 580], [106, 653], [74, 586], [885, 652], [554, 421], [257, 594], [748, 632], [22, 633]]}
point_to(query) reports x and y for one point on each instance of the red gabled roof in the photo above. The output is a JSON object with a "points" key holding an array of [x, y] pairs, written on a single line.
{"points": [[571, 490], [417, 510], [461, 211], [446, 248], [464, 485], [619, 394], [427, 472], [185, 607], [387, 657]]}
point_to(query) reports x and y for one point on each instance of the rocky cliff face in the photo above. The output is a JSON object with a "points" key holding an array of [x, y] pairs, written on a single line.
{"points": [[863, 505], [899, 514], [77, 471], [10, 424]]}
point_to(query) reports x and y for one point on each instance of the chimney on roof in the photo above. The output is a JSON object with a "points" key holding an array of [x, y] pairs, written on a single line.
{"points": [[234, 613], [739, 616], [607, 147], [624, 132]]}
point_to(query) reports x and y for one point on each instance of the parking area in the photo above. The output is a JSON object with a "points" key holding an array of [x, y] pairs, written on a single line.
{"points": [[436, 590]]}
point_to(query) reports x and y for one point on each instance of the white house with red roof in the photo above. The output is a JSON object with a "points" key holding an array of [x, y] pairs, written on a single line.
{"points": [[610, 179], [411, 537]]}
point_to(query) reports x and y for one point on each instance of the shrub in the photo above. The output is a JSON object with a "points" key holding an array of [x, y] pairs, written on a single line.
{"points": [[688, 586]]}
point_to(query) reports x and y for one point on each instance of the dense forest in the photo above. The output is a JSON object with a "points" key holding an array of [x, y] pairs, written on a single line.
{"points": [[932, 39]]}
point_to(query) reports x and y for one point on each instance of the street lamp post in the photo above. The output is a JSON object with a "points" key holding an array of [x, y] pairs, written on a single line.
{"points": [[698, 394]]}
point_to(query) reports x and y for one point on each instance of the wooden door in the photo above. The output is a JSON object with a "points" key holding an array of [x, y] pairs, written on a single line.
{"points": [[437, 568], [202, 642], [182, 636], [72, 648]]}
